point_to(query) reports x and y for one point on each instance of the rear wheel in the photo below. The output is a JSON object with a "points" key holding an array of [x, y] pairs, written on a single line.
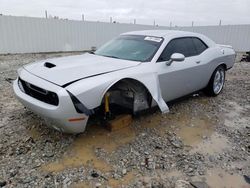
{"points": [[216, 82]]}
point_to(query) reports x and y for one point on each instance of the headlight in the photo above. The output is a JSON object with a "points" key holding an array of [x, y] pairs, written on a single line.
{"points": [[20, 85]]}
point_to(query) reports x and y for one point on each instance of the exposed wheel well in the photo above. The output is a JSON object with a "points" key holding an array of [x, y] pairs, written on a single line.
{"points": [[130, 93]]}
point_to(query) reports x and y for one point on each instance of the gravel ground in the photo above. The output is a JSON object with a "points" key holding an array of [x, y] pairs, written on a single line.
{"points": [[202, 142]]}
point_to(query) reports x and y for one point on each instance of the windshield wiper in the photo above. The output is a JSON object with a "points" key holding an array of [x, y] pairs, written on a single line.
{"points": [[91, 52]]}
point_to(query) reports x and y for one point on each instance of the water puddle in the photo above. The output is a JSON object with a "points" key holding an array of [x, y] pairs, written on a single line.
{"points": [[234, 118], [190, 129], [82, 151], [193, 130], [149, 120], [218, 178], [216, 143]]}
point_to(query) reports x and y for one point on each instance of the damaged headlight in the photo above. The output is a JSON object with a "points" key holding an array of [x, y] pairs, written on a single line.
{"points": [[80, 108]]}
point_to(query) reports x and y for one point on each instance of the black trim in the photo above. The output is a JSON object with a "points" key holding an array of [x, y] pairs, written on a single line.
{"points": [[65, 85], [80, 108], [183, 38], [49, 65], [39, 93]]}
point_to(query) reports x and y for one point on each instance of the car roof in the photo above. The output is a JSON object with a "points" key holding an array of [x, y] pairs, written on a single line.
{"points": [[159, 33], [169, 34]]}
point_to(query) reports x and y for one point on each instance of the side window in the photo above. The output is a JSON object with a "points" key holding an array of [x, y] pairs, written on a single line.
{"points": [[184, 46], [191, 50], [199, 45]]}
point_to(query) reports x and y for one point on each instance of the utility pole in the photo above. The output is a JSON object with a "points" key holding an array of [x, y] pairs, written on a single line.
{"points": [[220, 23], [170, 25], [110, 19], [192, 23], [82, 17], [46, 14], [154, 23], [134, 21]]}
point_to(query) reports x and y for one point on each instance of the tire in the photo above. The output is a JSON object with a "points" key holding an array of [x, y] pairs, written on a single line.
{"points": [[216, 82]]}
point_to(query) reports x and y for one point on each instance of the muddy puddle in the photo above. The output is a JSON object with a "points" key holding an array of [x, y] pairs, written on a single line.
{"points": [[233, 115], [196, 132], [193, 130], [218, 178], [151, 121], [215, 144], [82, 151]]}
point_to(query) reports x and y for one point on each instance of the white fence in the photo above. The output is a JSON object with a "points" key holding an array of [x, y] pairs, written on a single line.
{"points": [[31, 35], [28, 35], [237, 36]]}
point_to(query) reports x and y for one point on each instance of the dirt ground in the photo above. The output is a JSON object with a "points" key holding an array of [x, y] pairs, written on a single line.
{"points": [[203, 142]]}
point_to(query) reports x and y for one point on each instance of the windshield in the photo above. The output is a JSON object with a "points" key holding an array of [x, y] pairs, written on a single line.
{"points": [[131, 47]]}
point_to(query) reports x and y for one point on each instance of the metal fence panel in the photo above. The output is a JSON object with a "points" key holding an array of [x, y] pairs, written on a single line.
{"points": [[237, 36], [28, 35], [32, 35]]}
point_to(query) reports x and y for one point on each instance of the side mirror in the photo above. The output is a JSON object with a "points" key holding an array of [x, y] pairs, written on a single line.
{"points": [[175, 57]]}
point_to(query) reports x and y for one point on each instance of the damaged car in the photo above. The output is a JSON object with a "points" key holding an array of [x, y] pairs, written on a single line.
{"points": [[137, 70]]}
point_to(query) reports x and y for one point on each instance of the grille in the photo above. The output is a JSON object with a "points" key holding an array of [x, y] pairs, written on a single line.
{"points": [[39, 93]]}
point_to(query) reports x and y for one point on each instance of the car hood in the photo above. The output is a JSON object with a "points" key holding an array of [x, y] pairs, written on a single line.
{"points": [[65, 70]]}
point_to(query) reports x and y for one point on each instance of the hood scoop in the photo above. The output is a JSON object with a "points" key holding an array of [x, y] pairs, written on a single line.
{"points": [[49, 65]]}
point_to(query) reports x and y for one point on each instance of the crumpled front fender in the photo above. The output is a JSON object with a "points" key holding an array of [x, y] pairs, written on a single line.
{"points": [[90, 91], [151, 82]]}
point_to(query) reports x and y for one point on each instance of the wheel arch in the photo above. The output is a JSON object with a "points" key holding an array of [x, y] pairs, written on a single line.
{"points": [[222, 64], [132, 80], [151, 83]]}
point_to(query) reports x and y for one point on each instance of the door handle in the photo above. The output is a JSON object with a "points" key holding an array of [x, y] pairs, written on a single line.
{"points": [[198, 62]]}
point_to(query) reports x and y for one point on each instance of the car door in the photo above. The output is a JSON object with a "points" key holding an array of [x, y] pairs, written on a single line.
{"points": [[180, 78]]}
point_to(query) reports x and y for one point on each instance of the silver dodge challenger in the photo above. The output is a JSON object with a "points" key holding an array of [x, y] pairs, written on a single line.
{"points": [[137, 71]]}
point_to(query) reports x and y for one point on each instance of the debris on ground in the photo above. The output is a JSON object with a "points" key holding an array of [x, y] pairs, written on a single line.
{"points": [[202, 142], [246, 57]]}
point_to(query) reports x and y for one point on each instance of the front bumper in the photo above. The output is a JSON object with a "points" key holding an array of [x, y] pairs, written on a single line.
{"points": [[63, 117]]}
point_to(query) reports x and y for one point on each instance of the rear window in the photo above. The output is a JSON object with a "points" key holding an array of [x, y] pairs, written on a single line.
{"points": [[199, 45]]}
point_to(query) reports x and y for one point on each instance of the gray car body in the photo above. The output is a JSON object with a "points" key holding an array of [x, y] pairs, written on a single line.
{"points": [[88, 77]]}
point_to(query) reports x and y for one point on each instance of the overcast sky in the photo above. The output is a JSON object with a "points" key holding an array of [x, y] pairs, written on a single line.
{"points": [[179, 12]]}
